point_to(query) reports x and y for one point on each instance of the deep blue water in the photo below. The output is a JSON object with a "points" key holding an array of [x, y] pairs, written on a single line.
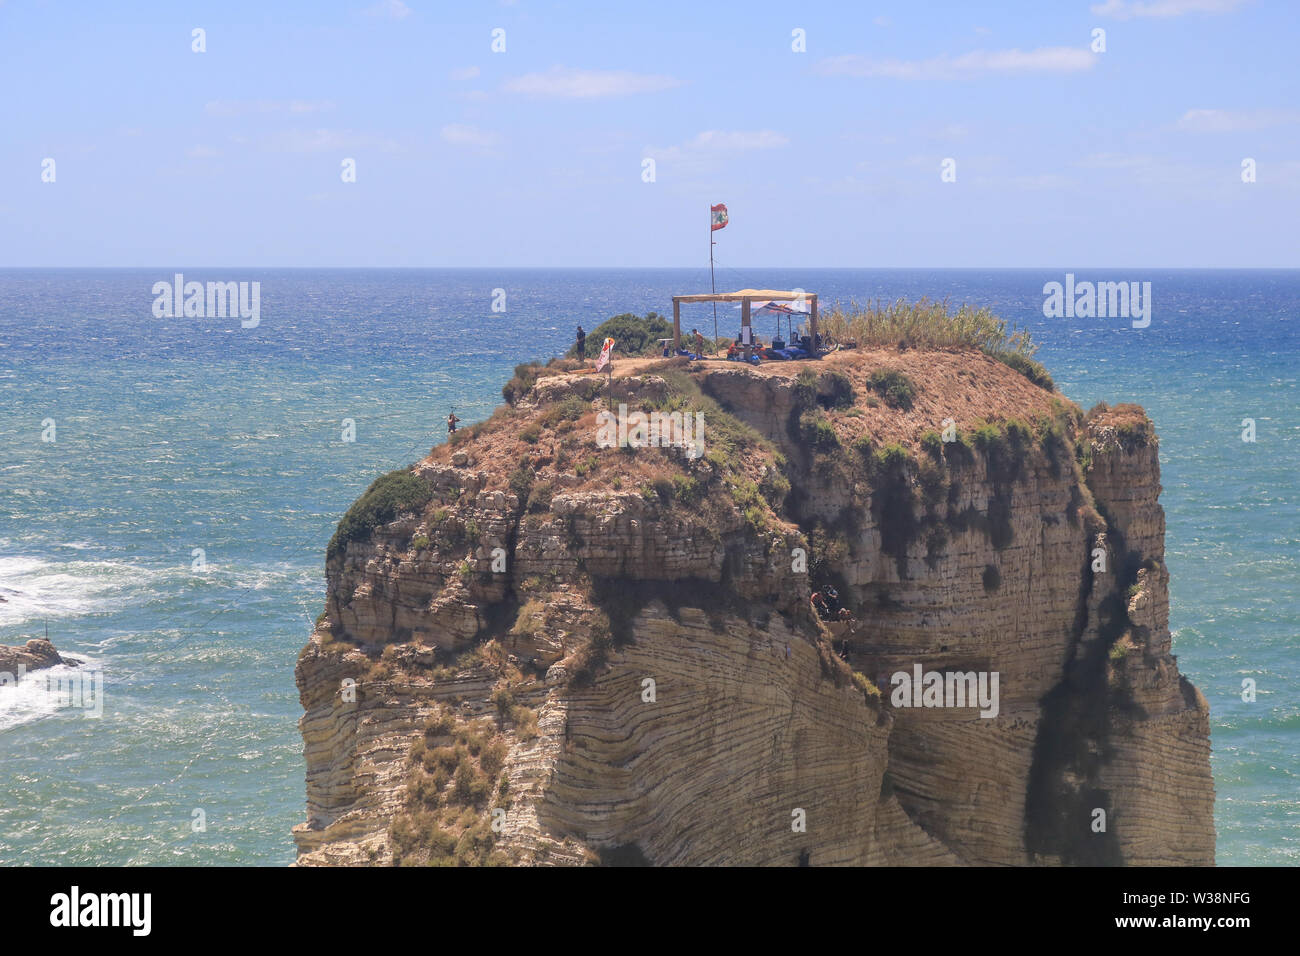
{"points": [[177, 434]]}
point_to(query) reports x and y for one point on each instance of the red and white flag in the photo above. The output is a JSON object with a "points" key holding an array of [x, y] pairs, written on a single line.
{"points": [[604, 355], [718, 217]]}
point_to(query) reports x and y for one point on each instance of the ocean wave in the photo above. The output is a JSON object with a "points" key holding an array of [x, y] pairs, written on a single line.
{"points": [[75, 690], [35, 589]]}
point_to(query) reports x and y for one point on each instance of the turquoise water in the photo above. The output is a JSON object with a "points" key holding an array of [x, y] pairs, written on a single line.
{"points": [[177, 434]]}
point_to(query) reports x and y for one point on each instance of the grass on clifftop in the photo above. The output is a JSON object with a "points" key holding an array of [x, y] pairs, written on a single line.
{"points": [[933, 325]]}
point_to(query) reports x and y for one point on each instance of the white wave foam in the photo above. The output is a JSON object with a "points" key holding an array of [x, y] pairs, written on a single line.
{"points": [[34, 589], [75, 690]]}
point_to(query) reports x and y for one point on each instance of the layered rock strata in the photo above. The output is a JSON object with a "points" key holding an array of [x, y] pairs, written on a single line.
{"points": [[551, 652]]}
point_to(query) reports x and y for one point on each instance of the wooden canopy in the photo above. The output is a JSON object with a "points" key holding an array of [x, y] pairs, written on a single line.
{"points": [[746, 297]]}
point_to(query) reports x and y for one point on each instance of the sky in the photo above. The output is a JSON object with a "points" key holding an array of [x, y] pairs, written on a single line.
{"points": [[824, 127]]}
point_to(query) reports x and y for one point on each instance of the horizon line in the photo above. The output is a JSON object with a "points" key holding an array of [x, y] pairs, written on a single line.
{"points": [[1034, 268]]}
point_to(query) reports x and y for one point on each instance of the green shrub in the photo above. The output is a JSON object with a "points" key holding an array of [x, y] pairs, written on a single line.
{"points": [[1027, 367], [531, 433], [539, 497], [774, 487], [387, 497], [570, 409], [688, 489], [805, 388], [987, 436], [632, 334], [521, 482], [524, 379], [817, 432], [894, 387], [663, 488], [893, 458], [836, 391], [932, 479]]}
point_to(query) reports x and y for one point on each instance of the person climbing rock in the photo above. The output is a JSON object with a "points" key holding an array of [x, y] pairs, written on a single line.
{"points": [[818, 603]]}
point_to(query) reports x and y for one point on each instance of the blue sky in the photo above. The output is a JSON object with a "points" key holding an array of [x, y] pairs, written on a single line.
{"points": [[534, 156]]}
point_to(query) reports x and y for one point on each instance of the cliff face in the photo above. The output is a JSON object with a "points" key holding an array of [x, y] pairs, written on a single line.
{"points": [[538, 650]]}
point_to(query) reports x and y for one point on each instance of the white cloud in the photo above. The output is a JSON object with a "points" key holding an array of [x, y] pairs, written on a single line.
{"points": [[1114, 161], [459, 135], [706, 151], [393, 9], [569, 83], [1128, 9], [246, 107], [1229, 121], [737, 140], [201, 152], [1055, 59], [1038, 182], [326, 140], [468, 73]]}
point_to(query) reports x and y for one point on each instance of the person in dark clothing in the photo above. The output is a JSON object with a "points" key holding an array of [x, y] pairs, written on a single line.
{"points": [[582, 345]]}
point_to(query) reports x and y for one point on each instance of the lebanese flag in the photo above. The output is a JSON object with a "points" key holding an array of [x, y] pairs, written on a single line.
{"points": [[718, 217], [604, 355]]}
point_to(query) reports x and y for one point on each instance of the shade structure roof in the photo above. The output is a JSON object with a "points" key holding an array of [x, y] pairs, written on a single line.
{"points": [[768, 294]]}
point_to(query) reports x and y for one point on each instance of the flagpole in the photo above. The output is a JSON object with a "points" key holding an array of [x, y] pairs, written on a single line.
{"points": [[713, 285]]}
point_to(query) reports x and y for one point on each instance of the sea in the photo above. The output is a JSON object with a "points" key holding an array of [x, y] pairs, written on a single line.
{"points": [[168, 487]]}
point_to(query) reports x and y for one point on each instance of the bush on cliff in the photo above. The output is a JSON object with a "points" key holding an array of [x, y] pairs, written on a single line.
{"points": [[836, 390], [632, 334], [817, 431], [387, 497], [894, 387], [1027, 367]]}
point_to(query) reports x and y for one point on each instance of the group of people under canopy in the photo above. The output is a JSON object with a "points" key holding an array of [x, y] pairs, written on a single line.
{"points": [[795, 344]]}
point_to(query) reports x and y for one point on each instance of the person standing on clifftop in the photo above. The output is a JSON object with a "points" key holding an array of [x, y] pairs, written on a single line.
{"points": [[451, 424], [582, 345]]}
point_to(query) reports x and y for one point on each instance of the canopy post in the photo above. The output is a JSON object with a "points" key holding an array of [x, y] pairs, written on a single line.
{"points": [[812, 324], [677, 325], [746, 330]]}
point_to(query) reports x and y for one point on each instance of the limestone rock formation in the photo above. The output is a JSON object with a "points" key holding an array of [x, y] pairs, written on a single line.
{"points": [[36, 654], [538, 650]]}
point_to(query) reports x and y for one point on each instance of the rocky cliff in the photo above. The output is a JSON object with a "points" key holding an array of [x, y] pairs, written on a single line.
{"points": [[536, 649]]}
